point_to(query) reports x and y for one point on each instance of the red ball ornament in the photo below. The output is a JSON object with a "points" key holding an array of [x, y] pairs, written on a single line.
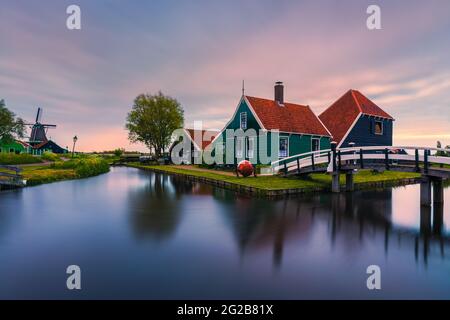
{"points": [[245, 168]]}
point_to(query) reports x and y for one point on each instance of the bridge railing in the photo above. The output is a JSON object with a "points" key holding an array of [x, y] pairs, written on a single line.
{"points": [[10, 175], [303, 160], [389, 155], [362, 157]]}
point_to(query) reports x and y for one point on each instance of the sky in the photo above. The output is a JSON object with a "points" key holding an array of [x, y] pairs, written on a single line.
{"points": [[199, 51]]}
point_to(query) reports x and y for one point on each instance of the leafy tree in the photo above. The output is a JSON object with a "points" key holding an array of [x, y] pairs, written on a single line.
{"points": [[119, 152], [441, 153], [153, 119], [10, 126]]}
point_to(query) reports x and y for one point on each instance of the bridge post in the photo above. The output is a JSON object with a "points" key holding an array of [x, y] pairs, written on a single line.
{"points": [[425, 191], [335, 186], [361, 158], [349, 184], [352, 145], [417, 160], [386, 158], [425, 161], [438, 191], [333, 150]]}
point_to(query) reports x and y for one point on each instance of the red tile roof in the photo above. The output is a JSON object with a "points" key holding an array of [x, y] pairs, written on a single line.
{"points": [[339, 117], [209, 135], [290, 117]]}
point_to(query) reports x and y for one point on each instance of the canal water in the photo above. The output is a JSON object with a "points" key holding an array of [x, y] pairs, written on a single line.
{"points": [[137, 234]]}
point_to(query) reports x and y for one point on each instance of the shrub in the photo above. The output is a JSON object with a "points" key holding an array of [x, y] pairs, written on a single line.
{"points": [[50, 156]]}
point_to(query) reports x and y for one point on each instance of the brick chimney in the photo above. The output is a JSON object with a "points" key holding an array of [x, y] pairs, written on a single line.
{"points": [[279, 92]]}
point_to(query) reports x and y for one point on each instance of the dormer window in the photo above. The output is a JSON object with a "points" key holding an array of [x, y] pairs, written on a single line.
{"points": [[243, 120], [379, 127]]}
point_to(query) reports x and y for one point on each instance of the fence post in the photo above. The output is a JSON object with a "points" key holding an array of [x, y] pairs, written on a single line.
{"points": [[298, 166], [312, 162], [386, 158], [333, 151], [417, 160], [339, 160], [352, 145], [425, 161], [285, 168], [361, 158]]}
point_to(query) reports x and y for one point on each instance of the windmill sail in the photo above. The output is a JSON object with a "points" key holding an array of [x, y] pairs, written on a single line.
{"points": [[38, 130]]}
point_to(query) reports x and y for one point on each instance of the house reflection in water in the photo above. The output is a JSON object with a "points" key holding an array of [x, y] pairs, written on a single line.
{"points": [[353, 219], [347, 222]]}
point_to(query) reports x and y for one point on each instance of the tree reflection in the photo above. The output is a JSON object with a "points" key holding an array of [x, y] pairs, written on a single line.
{"points": [[154, 208]]}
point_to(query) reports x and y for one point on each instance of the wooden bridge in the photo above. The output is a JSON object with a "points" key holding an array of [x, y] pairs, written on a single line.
{"points": [[433, 168], [10, 177]]}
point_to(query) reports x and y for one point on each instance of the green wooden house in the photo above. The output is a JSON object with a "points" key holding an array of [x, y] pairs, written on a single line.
{"points": [[296, 128], [15, 146]]}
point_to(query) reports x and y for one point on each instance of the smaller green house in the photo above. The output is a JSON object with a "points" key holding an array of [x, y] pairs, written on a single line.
{"points": [[15, 146], [288, 129]]}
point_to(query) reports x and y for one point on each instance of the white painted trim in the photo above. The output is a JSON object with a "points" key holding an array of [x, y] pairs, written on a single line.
{"points": [[317, 117], [243, 98], [283, 137], [246, 120], [192, 140], [312, 144], [381, 117], [382, 128], [301, 133], [254, 113], [350, 129]]}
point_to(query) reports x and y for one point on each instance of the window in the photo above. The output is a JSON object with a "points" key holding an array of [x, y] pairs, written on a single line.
{"points": [[239, 147], [243, 120], [315, 144], [11, 150], [283, 147], [250, 147], [378, 127]]}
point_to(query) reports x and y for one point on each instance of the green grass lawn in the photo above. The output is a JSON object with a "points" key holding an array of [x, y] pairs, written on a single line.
{"points": [[317, 180], [72, 169]]}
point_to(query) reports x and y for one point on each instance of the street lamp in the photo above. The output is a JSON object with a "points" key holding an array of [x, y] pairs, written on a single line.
{"points": [[75, 139]]}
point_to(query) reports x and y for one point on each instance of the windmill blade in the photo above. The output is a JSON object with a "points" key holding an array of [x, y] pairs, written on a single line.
{"points": [[49, 125], [39, 115]]}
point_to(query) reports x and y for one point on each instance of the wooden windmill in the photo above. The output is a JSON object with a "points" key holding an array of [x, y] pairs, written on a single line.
{"points": [[39, 130]]}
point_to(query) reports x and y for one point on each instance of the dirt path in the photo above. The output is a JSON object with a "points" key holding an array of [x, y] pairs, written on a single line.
{"points": [[193, 168]]}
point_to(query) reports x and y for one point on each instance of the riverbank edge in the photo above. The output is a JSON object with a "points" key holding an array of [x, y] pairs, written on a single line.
{"points": [[57, 176], [275, 193]]}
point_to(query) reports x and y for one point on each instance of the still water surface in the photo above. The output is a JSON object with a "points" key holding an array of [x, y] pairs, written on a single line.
{"points": [[137, 234]]}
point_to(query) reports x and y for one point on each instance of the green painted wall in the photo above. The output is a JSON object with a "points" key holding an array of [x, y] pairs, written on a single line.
{"points": [[13, 147], [297, 143]]}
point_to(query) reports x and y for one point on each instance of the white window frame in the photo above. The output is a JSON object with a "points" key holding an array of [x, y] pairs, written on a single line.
{"points": [[246, 120], [287, 149], [318, 143], [240, 143], [250, 152], [375, 127]]}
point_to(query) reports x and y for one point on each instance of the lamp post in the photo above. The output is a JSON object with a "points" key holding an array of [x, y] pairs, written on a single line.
{"points": [[75, 139]]}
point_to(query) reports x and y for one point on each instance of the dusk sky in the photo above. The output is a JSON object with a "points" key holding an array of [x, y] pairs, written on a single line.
{"points": [[200, 51]]}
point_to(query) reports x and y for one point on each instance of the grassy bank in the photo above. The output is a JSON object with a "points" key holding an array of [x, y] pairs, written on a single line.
{"points": [[15, 159], [317, 181], [65, 170]]}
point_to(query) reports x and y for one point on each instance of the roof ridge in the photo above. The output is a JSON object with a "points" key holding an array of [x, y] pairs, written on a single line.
{"points": [[356, 100], [291, 103]]}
